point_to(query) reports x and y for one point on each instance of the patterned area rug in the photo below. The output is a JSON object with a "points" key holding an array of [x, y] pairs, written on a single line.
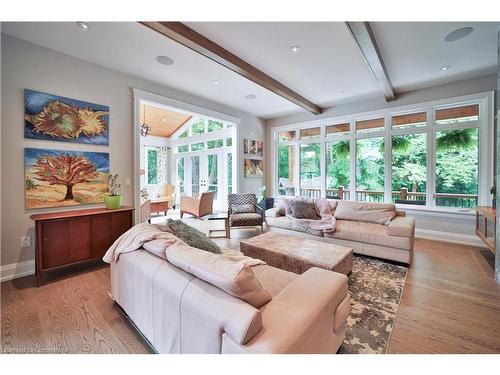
{"points": [[376, 288]]}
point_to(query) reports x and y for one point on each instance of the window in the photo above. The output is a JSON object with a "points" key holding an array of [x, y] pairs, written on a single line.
{"points": [[214, 125], [286, 165], [152, 166], [180, 176], [184, 134], [457, 162], [198, 127], [286, 136], [433, 159], [229, 172], [370, 165], [229, 142], [338, 164], [310, 172], [310, 133], [338, 129], [218, 143], [409, 121], [366, 126], [198, 146], [409, 168], [183, 148]]}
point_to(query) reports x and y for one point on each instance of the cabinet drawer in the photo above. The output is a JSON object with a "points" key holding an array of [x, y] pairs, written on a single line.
{"points": [[65, 241]]}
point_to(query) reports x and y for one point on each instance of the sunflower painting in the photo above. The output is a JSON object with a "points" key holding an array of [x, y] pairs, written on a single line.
{"points": [[55, 118]]}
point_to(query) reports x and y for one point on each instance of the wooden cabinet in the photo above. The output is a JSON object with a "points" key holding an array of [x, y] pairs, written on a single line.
{"points": [[72, 237], [486, 225]]}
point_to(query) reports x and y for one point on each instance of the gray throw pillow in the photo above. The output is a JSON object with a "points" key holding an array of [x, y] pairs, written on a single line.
{"points": [[242, 208], [193, 237], [303, 210]]}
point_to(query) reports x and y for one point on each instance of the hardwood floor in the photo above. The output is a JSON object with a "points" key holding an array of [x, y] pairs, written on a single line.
{"points": [[450, 304]]}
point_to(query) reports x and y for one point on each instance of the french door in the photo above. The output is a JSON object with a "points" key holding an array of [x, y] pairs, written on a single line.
{"points": [[199, 172]]}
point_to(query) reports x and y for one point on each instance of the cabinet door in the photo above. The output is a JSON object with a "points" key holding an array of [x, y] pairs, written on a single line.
{"points": [[121, 222], [102, 234], [65, 241]]}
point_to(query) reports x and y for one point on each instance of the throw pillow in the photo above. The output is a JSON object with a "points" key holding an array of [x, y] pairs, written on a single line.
{"points": [[303, 210], [193, 237], [242, 209]]}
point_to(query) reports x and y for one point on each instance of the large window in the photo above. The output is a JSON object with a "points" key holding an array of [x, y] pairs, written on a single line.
{"points": [[152, 166], [434, 156], [310, 171]]}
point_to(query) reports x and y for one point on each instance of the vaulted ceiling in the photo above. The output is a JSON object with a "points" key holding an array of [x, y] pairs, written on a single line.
{"points": [[328, 69]]}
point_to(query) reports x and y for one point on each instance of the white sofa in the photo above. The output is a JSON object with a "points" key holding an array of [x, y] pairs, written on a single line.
{"points": [[374, 229], [180, 313]]}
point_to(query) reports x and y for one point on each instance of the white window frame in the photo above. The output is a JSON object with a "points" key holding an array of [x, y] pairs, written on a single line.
{"points": [[485, 157]]}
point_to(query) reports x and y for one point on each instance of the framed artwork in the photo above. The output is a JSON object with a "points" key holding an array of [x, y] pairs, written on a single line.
{"points": [[55, 178], [253, 147], [56, 118], [254, 168]]}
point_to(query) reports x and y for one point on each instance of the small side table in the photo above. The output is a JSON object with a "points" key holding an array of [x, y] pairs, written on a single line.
{"points": [[219, 216], [486, 224]]}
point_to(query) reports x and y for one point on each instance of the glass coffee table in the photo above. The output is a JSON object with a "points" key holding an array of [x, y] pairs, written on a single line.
{"points": [[219, 216]]}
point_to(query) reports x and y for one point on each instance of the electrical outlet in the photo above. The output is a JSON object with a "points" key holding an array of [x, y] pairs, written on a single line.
{"points": [[25, 241], [127, 182]]}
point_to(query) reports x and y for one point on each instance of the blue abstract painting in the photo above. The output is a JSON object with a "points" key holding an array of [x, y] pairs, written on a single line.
{"points": [[56, 178], [56, 118]]}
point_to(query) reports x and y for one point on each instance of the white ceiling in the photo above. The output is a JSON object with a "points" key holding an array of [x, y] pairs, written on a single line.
{"points": [[327, 62]]}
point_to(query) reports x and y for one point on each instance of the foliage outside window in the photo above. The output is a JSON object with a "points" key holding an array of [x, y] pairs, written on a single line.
{"points": [[310, 172], [198, 146], [212, 174], [218, 143], [229, 142], [338, 165], [229, 172], [180, 176], [152, 160], [457, 162], [409, 167], [198, 127], [370, 164], [214, 125], [286, 162], [183, 148]]}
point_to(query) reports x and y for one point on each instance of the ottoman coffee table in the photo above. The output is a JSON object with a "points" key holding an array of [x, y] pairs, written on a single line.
{"points": [[296, 254]]}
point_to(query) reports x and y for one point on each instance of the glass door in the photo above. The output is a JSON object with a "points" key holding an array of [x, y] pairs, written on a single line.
{"points": [[211, 177], [195, 175], [180, 177]]}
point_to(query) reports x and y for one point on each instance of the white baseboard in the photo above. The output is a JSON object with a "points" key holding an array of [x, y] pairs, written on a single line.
{"points": [[454, 238], [15, 270]]}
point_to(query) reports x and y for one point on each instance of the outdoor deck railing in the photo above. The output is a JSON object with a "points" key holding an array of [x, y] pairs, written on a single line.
{"points": [[402, 196]]}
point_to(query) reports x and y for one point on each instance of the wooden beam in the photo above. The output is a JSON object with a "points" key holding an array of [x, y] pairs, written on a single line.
{"points": [[190, 38], [363, 35]]}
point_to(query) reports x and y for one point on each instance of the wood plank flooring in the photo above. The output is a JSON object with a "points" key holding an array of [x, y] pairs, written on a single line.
{"points": [[450, 304]]}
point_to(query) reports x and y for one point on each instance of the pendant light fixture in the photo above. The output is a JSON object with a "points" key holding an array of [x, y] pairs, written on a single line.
{"points": [[145, 128]]}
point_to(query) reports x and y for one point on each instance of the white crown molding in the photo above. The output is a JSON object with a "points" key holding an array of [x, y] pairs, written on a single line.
{"points": [[16, 270]]}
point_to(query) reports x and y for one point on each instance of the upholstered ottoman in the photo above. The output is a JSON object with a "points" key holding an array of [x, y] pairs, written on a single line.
{"points": [[296, 254]]}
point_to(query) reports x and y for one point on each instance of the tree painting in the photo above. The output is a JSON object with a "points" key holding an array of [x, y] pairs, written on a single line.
{"points": [[64, 178]]}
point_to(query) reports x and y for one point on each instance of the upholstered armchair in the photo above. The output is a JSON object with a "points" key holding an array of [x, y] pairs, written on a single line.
{"points": [[198, 206], [167, 192], [244, 212]]}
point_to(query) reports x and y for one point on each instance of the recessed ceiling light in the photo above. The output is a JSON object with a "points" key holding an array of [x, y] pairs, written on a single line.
{"points": [[83, 25], [250, 96], [216, 81], [165, 60], [446, 67], [340, 92], [295, 49], [458, 34]]}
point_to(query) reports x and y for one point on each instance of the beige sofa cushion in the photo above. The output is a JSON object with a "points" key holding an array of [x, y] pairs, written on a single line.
{"points": [[378, 213], [273, 279], [234, 277], [402, 226], [368, 233]]}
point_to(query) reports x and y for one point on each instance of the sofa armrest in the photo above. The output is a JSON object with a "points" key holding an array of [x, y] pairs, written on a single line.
{"points": [[273, 212], [301, 318], [402, 226]]}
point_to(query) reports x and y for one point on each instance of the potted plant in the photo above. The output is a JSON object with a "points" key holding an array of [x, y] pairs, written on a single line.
{"points": [[114, 199], [493, 192]]}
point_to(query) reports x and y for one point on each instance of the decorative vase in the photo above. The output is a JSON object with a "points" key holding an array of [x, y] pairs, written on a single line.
{"points": [[113, 202]]}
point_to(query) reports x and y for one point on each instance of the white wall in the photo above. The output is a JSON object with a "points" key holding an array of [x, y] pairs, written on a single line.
{"points": [[459, 227], [27, 65]]}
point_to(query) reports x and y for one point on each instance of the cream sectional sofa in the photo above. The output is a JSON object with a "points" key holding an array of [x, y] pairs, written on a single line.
{"points": [[179, 312], [374, 229]]}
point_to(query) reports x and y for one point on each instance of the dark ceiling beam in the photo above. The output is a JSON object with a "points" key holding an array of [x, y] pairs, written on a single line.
{"points": [[363, 35], [204, 46]]}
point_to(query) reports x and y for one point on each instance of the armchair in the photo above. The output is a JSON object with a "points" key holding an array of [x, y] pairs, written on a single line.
{"points": [[198, 206], [167, 192], [253, 215]]}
